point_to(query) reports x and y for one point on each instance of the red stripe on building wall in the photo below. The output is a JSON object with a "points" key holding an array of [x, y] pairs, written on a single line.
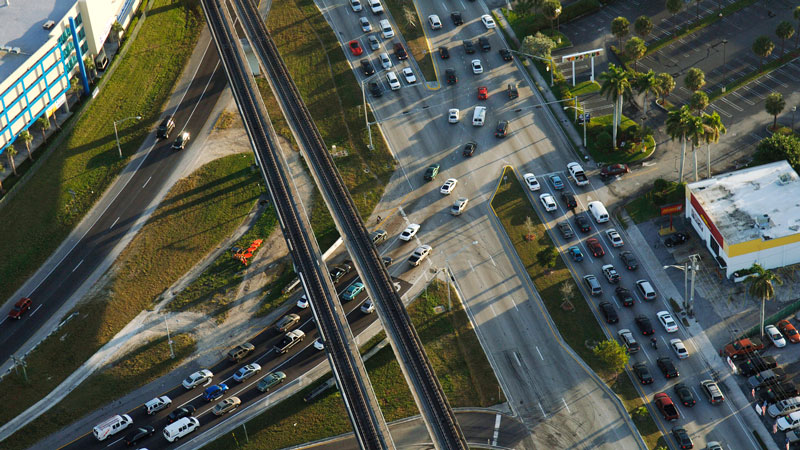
{"points": [[709, 222]]}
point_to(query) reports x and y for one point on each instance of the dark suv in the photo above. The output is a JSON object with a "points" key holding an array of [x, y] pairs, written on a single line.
{"points": [[450, 76], [484, 43], [469, 47], [502, 129], [366, 67], [166, 127], [456, 16], [181, 142], [400, 51]]}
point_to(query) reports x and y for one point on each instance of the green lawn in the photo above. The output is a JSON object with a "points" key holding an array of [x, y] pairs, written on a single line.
{"points": [[520, 220], [585, 88], [332, 94], [648, 206], [129, 372], [456, 356], [410, 25], [198, 213], [631, 153], [76, 174]]}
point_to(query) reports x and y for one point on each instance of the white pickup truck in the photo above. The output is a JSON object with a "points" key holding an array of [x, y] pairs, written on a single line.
{"points": [[289, 340], [577, 173]]}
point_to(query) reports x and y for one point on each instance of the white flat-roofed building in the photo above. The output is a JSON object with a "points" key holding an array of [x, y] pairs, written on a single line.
{"points": [[748, 216], [38, 53]]}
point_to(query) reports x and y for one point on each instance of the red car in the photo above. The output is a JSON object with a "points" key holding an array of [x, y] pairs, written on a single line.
{"points": [[483, 93], [595, 247], [789, 331], [20, 307], [355, 48], [614, 170]]}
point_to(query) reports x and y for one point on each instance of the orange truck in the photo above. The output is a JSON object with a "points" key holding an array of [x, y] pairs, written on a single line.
{"points": [[742, 347]]}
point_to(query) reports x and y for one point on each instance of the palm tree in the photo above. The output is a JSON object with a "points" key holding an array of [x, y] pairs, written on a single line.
{"points": [[695, 79], [27, 138], [698, 102], [665, 84], [88, 63], [785, 31], [696, 135], [797, 18], [620, 27], [116, 28], [2, 168], [762, 286], [677, 127], [774, 105], [674, 7], [763, 47], [643, 26], [635, 48], [43, 124], [714, 129], [616, 83], [552, 9], [11, 152], [646, 83]]}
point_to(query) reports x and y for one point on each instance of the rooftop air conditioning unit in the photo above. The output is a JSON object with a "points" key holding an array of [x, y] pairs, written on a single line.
{"points": [[784, 179], [49, 25]]}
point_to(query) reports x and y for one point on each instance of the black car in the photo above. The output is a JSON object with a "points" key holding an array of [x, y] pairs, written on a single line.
{"points": [[469, 47], [645, 326], [755, 364], [166, 127], [676, 239], [685, 395], [667, 367], [772, 393], [387, 261], [642, 373], [339, 271], [456, 16], [583, 223], [450, 76], [375, 89], [181, 141], [367, 68], [502, 129], [682, 438], [469, 149], [180, 413], [624, 296], [569, 200], [506, 54], [400, 51], [629, 260], [609, 312], [139, 434], [444, 53], [484, 43]]}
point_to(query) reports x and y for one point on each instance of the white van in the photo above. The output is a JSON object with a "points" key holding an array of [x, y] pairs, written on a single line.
{"points": [[180, 428], [479, 116], [111, 426], [598, 211], [386, 29]]}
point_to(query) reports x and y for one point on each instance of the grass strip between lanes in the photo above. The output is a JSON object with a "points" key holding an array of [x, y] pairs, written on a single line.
{"points": [[129, 372], [455, 353], [198, 213], [75, 175], [566, 305], [330, 90], [411, 26]]}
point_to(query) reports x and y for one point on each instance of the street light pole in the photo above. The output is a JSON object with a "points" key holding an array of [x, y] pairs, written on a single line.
{"points": [[366, 116], [724, 66], [116, 135], [794, 108], [169, 339]]}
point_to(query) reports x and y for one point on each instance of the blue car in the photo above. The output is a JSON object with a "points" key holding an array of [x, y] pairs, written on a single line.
{"points": [[214, 392], [576, 254], [557, 183], [352, 291]]}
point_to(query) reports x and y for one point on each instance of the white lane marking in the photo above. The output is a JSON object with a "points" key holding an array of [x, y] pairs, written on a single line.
{"points": [[34, 311], [540, 353], [118, 440], [543, 413], [145, 183], [565, 405], [115, 222], [519, 363], [496, 429], [4, 319], [76, 267], [731, 104]]}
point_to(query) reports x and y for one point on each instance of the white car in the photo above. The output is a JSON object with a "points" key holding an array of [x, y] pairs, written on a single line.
{"points": [[434, 21], [548, 202], [476, 66], [368, 307], [394, 83], [246, 372], [409, 74], [448, 186], [356, 5], [319, 345], [666, 319], [459, 206], [419, 255], [196, 379], [679, 348], [775, 336], [365, 26], [488, 22], [302, 302], [789, 422], [410, 231], [386, 62], [375, 6], [615, 238], [531, 181], [452, 115]]}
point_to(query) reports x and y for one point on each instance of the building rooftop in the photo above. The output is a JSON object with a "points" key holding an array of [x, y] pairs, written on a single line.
{"points": [[759, 202], [21, 27]]}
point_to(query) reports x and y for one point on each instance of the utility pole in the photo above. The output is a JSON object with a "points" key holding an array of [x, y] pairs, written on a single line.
{"points": [[169, 339], [366, 115], [694, 260]]}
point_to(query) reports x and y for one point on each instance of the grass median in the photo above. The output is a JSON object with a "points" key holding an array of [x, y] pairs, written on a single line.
{"points": [[410, 25], [129, 372], [198, 213], [75, 175], [456, 356], [333, 95], [562, 297]]}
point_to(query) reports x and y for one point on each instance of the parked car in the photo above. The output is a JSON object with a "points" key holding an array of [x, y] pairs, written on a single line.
{"points": [[386, 62], [556, 181], [408, 74], [374, 43], [365, 25], [375, 89], [775, 336], [366, 67], [789, 331], [613, 170], [676, 239]]}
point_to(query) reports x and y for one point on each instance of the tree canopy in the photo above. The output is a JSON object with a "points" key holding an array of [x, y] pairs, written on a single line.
{"points": [[777, 148], [612, 355]]}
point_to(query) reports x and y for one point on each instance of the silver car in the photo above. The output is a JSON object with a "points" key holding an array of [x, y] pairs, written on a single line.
{"points": [[374, 44]]}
